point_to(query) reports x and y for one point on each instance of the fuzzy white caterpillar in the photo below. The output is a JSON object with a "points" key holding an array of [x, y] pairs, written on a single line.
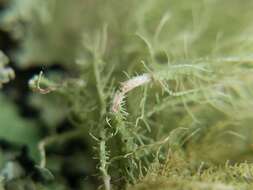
{"points": [[135, 82], [128, 86], [140, 81]]}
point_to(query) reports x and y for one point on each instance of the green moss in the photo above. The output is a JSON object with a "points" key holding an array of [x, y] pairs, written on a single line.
{"points": [[177, 173]]}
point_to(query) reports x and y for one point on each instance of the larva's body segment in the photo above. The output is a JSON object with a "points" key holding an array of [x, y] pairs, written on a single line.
{"points": [[117, 100], [128, 86], [135, 82]]}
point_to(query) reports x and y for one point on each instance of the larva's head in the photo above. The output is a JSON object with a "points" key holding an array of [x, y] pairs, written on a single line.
{"points": [[117, 101]]}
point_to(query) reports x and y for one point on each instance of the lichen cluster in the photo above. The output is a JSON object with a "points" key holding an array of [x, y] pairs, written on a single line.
{"points": [[135, 95]]}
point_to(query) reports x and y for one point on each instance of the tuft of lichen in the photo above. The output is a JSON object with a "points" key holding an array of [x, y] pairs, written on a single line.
{"points": [[136, 95]]}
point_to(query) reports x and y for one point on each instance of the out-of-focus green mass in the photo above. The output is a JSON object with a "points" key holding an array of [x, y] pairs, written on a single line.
{"points": [[195, 29], [58, 27], [130, 94]]}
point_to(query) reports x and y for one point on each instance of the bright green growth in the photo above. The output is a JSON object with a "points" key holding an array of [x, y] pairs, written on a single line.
{"points": [[188, 87], [17, 130]]}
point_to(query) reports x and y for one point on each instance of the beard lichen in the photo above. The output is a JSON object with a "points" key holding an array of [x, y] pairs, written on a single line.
{"points": [[180, 121]]}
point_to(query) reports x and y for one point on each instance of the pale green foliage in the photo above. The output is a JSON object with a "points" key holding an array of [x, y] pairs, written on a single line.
{"points": [[57, 26], [59, 40], [197, 98]]}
